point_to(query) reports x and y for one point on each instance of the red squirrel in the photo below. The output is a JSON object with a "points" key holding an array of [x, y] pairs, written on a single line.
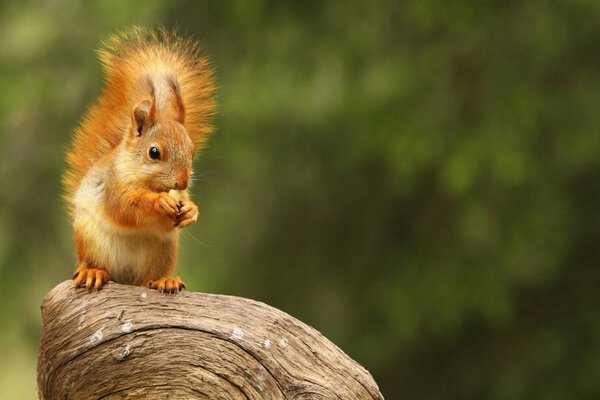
{"points": [[130, 162]]}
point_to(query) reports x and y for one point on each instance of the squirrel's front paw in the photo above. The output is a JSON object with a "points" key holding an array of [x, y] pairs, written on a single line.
{"points": [[167, 205], [90, 277], [187, 215]]}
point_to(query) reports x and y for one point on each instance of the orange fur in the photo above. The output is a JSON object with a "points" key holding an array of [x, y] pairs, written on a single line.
{"points": [[125, 204], [129, 58]]}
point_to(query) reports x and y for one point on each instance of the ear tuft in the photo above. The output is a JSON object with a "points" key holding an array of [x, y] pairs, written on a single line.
{"points": [[178, 107], [143, 115]]}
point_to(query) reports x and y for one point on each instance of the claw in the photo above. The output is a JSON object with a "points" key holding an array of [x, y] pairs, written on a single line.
{"points": [[187, 215]]}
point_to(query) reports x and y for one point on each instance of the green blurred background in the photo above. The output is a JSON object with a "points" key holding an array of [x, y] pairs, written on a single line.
{"points": [[418, 180]]}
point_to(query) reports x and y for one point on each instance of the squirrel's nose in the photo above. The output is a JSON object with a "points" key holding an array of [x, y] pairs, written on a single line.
{"points": [[182, 182], [181, 185]]}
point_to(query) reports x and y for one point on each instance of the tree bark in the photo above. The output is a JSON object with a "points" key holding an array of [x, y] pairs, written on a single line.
{"points": [[126, 342]]}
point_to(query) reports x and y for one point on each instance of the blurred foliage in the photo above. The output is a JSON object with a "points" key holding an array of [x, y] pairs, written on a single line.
{"points": [[418, 180]]}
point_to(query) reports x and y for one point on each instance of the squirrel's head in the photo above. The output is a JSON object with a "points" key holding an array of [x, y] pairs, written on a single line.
{"points": [[160, 147]]}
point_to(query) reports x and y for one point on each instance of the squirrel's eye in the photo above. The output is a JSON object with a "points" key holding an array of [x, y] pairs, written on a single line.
{"points": [[154, 153]]}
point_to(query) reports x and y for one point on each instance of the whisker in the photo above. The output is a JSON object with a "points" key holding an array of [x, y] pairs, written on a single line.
{"points": [[196, 239]]}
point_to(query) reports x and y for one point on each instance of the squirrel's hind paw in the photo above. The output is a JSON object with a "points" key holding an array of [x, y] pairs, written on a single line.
{"points": [[90, 278], [167, 285]]}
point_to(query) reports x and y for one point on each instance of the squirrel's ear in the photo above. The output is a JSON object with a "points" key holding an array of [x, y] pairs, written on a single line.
{"points": [[143, 116], [178, 107]]}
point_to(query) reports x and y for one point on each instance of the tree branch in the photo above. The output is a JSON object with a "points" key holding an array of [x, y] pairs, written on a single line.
{"points": [[131, 342]]}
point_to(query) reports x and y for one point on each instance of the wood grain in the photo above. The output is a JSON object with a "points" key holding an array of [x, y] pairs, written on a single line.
{"points": [[127, 342]]}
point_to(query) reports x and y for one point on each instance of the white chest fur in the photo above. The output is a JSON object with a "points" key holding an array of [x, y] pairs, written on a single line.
{"points": [[130, 255]]}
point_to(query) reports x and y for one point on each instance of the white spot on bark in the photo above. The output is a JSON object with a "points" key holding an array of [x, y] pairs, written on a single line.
{"points": [[283, 342], [144, 295], [125, 352], [127, 326], [237, 333], [97, 336], [266, 344]]}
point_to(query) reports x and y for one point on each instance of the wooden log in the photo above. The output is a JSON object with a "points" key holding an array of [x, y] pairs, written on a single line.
{"points": [[126, 342]]}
